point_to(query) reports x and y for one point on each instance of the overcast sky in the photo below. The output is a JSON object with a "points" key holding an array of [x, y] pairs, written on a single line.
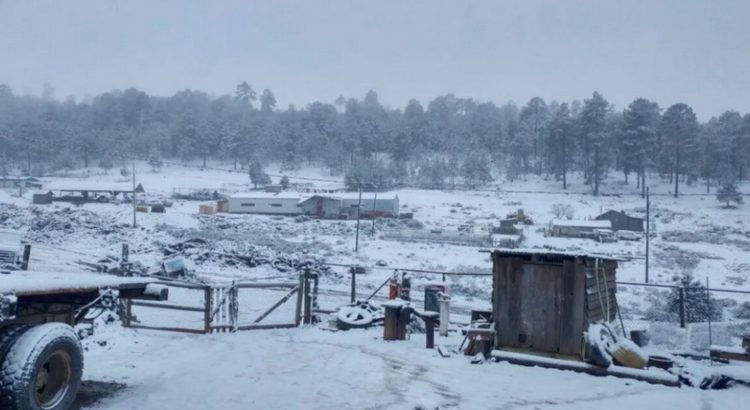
{"points": [[668, 50]]}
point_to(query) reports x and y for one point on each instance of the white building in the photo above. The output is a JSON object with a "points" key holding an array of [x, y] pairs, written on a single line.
{"points": [[282, 203], [577, 229]]}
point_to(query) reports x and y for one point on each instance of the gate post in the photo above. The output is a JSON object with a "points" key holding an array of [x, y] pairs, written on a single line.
{"points": [[300, 294], [682, 307], [308, 299], [207, 311]]}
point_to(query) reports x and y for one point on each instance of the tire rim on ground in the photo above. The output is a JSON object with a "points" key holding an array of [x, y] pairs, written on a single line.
{"points": [[53, 380]]}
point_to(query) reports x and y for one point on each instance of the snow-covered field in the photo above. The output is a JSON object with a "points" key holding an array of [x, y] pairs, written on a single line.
{"points": [[314, 368]]}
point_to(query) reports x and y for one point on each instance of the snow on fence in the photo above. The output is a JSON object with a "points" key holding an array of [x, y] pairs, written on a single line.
{"points": [[220, 308]]}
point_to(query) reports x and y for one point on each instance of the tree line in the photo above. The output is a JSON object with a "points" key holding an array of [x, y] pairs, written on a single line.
{"points": [[450, 141]]}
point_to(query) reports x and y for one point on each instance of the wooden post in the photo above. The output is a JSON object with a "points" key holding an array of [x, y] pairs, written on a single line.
{"points": [[390, 323], [315, 306], [404, 316], [353, 297], [300, 295], [308, 300], [359, 210], [682, 307], [124, 260], [429, 325], [207, 312], [26, 257], [648, 229]]}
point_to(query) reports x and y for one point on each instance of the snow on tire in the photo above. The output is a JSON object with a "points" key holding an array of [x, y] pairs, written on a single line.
{"points": [[42, 369], [353, 317], [599, 345]]}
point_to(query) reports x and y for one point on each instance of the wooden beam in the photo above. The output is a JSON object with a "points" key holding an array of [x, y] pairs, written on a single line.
{"points": [[277, 304], [169, 329], [168, 307], [662, 378], [268, 326], [725, 353]]}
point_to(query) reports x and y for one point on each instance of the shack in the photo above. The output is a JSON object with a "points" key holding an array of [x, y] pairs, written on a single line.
{"points": [[577, 229], [269, 203], [621, 221], [544, 301], [374, 205]]}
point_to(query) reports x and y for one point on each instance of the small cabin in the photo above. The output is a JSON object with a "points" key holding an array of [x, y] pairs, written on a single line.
{"points": [[621, 221], [544, 301]]}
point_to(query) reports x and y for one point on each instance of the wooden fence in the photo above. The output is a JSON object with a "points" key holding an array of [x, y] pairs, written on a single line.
{"points": [[220, 306]]}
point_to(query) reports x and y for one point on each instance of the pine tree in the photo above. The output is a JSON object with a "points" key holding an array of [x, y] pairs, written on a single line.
{"points": [[257, 176], [698, 304], [680, 143], [594, 135], [728, 193], [284, 182], [560, 142], [640, 124]]}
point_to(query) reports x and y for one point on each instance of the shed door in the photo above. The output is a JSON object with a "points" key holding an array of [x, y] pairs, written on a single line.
{"points": [[540, 288]]}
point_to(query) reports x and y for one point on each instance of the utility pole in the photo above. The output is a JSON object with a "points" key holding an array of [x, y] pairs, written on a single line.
{"points": [[374, 208], [648, 228], [359, 210], [134, 222]]}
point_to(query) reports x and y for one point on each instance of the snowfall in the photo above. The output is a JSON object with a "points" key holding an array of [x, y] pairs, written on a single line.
{"points": [[317, 366]]}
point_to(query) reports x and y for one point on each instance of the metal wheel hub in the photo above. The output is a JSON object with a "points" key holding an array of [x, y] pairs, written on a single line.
{"points": [[53, 380]]}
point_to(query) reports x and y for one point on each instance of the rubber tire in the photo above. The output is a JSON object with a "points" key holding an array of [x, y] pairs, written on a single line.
{"points": [[26, 353], [598, 354]]}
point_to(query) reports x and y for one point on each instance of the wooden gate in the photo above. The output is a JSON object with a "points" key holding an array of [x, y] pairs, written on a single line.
{"points": [[220, 307]]}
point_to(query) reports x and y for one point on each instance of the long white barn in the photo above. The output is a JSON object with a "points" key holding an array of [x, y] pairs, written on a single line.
{"points": [[281, 203]]}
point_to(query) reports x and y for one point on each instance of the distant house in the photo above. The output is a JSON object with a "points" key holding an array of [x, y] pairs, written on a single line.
{"points": [[344, 205], [258, 202], [20, 182], [577, 229], [621, 221]]}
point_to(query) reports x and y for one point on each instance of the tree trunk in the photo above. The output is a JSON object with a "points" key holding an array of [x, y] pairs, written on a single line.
{"points": [[643, 183], [677, 174], [564, 163], [596, 171]]}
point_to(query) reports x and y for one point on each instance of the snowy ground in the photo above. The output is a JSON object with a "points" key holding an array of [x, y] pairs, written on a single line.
{"points": [[316, 369], [282, 369]]}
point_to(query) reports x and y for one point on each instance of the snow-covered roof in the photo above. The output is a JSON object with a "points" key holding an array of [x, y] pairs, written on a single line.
{"points": [[582, 223], [533, 251], [90, 186], [31, 282], [266, 195]]}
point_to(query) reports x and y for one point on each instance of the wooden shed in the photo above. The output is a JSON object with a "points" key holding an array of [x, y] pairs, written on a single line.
{"points": [[544, 301]]}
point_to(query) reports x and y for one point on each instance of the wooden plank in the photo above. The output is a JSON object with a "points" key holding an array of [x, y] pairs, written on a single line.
{"points": [[265, 285], [277, 304], [662, 378], [167, 306], [572, 309], [169, 329], [727, 354], [267, 326]]}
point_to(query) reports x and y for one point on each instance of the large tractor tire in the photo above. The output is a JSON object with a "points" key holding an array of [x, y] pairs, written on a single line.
{"points": [[41, 368]]}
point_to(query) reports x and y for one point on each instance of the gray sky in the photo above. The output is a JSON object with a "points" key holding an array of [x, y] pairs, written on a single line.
{"points": [[668, 50]]}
